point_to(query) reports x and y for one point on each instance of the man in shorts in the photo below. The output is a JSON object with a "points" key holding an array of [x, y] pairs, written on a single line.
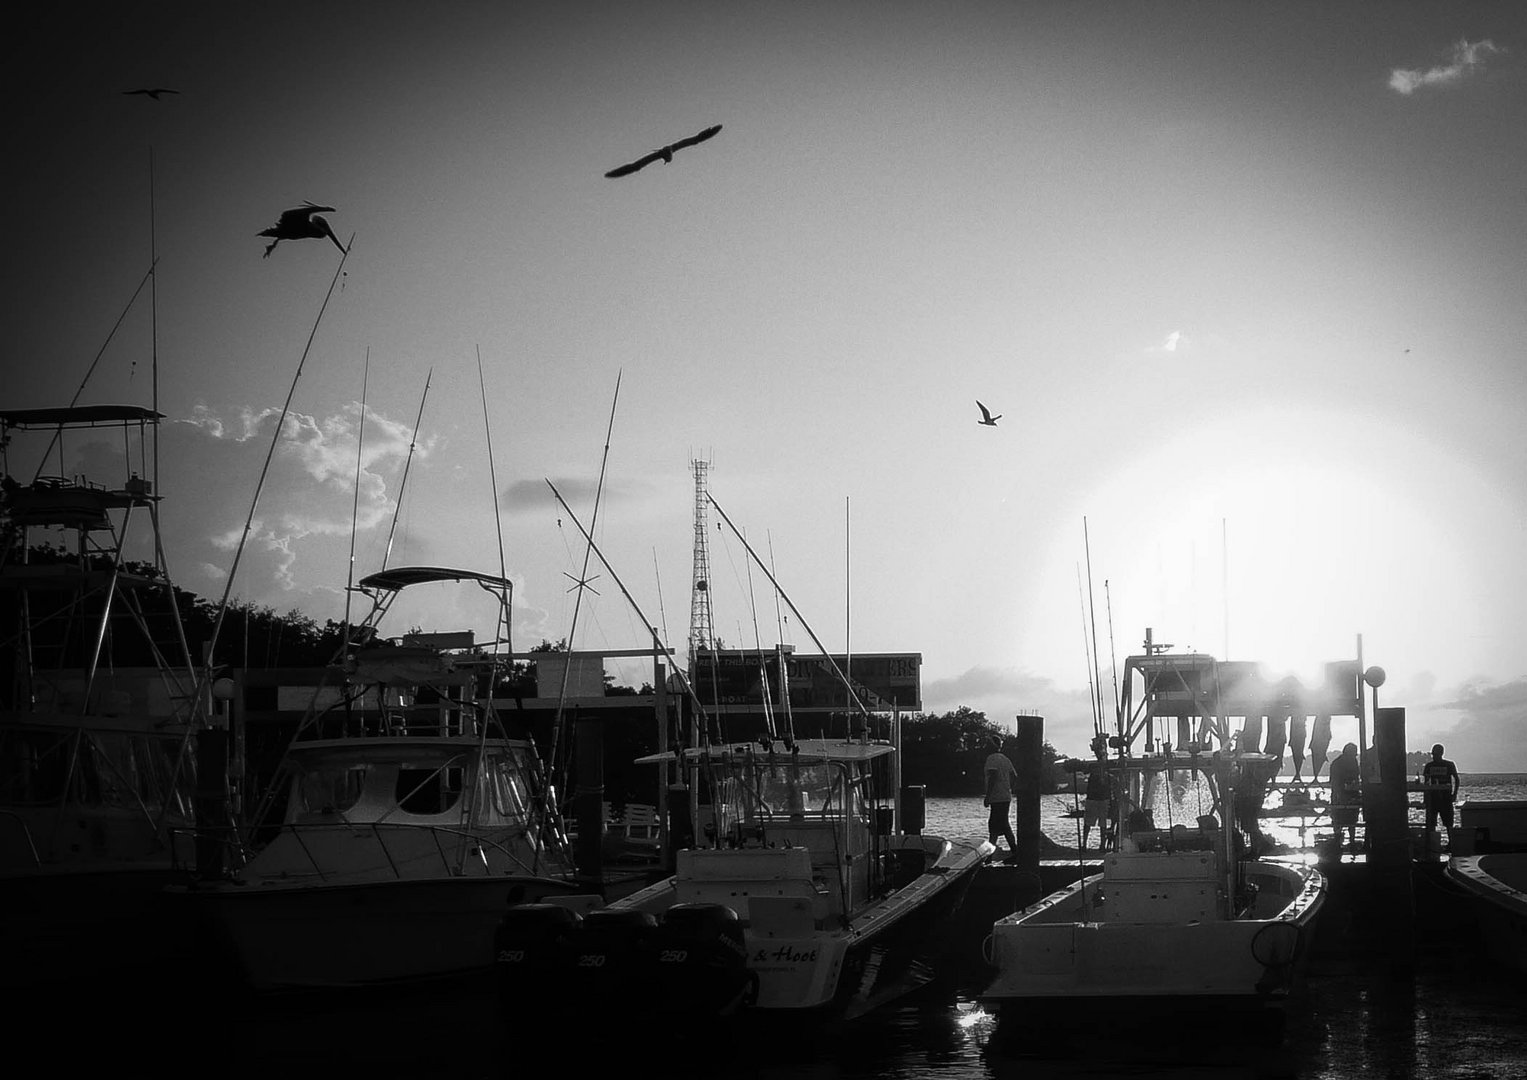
{"points": [[1095, 808], [999, 796], [1439, 782]]}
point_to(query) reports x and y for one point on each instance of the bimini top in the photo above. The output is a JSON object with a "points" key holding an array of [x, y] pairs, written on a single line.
{"points": [[404, 576], [809, 751], [78, 414]]}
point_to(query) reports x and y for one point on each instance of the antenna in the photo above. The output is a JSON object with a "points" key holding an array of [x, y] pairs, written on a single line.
{"points": [[701, 629]]}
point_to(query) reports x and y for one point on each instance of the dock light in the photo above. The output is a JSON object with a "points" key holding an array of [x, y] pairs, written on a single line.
{"points": [[1374, 676]]}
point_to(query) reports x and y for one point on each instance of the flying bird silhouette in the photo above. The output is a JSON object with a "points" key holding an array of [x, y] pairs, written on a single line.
{"points": [[300, 223], [153, 93], [986, 417], [664, 155]]}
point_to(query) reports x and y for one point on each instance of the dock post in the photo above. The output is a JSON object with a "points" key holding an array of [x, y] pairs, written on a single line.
{"points": [[1030, 772], [1385, 808]]}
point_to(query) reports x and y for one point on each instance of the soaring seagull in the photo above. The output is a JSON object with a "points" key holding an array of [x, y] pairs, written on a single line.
{"points": [[154, 93], [300, 223], [664, 155], [986, 417]]}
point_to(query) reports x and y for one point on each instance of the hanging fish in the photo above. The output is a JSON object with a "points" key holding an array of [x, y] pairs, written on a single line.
{"points": [[1297, 726], [1320, 739], [1277, 739], [1251, 734]]}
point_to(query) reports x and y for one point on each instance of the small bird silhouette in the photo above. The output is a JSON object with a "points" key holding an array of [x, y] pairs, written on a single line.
{"points": [[300, 223], [986, 417], [153, 93], [664, 155]]}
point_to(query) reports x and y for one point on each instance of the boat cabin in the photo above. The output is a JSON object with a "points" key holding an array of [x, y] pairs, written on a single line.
{"points": [[793, 839]]}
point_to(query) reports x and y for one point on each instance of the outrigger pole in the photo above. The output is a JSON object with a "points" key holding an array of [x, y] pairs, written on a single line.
{"points": [[413, 442], [657, 642], [583, 580], [848, 686]]}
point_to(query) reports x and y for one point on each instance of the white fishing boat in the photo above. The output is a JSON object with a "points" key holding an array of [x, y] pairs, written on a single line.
{"points": [[411, 815], [100, 714], [1497, 882], [801, 884], [1182, 915], [797, 897]]}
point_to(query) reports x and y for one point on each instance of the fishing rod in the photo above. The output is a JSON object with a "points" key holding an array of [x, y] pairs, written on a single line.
{"points": [[1092, 606], [779, 652], [1092, 700]]}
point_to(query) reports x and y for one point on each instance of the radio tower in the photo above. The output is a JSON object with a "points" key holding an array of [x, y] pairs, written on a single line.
{"points": [[700, 632]]}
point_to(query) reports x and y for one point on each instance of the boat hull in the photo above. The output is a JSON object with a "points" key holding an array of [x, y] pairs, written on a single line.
{"points": [[344, 936], [1064, 949], [1498, 884], [831, 971]]}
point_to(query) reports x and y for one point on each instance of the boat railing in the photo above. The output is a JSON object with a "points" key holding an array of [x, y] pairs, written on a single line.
{"points": [[452, 861]]}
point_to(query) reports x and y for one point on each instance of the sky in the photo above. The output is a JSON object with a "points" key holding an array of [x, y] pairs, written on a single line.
{"points": [[1244, 281]]}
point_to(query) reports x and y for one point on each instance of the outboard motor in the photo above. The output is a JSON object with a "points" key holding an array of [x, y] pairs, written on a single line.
{"points": [[613, 958], [531, 950], [702, 961]]}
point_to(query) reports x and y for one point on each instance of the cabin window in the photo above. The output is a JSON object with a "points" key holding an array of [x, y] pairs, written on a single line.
{"points": [[428, 791], [324, 792]]}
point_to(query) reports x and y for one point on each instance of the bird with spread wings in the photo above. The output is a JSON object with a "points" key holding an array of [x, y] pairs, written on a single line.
{"points": [[986, 417], [300, 223], [664, 155]]}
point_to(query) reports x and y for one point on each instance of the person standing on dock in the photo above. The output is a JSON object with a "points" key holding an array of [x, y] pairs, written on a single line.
{"points": [[999, 796], [1346, 794], [1440, 783], [1095, 808]]}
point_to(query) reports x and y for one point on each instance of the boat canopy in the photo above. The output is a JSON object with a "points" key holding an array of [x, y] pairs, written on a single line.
{"points": [[403, 576], [807, 751], [78, 414]]}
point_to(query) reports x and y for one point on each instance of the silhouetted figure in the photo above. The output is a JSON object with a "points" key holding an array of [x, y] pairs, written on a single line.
{"points": [[986, 417], [1346, 794], [664, 155], [300, 223], [153, 93], [1439, 783]]}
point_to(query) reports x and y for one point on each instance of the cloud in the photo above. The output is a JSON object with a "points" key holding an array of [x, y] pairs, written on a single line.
{"points": [[1488, 737], [1464, 59], [1175, 342], [528, 495]]}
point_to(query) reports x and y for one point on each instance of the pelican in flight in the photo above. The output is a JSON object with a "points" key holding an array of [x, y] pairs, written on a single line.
{"points": [[986, 417], [664, 155], [300, 223], [154, 93]]}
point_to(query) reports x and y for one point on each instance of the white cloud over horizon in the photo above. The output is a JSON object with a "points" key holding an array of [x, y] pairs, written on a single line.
{"points": [[1465, 58]]}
